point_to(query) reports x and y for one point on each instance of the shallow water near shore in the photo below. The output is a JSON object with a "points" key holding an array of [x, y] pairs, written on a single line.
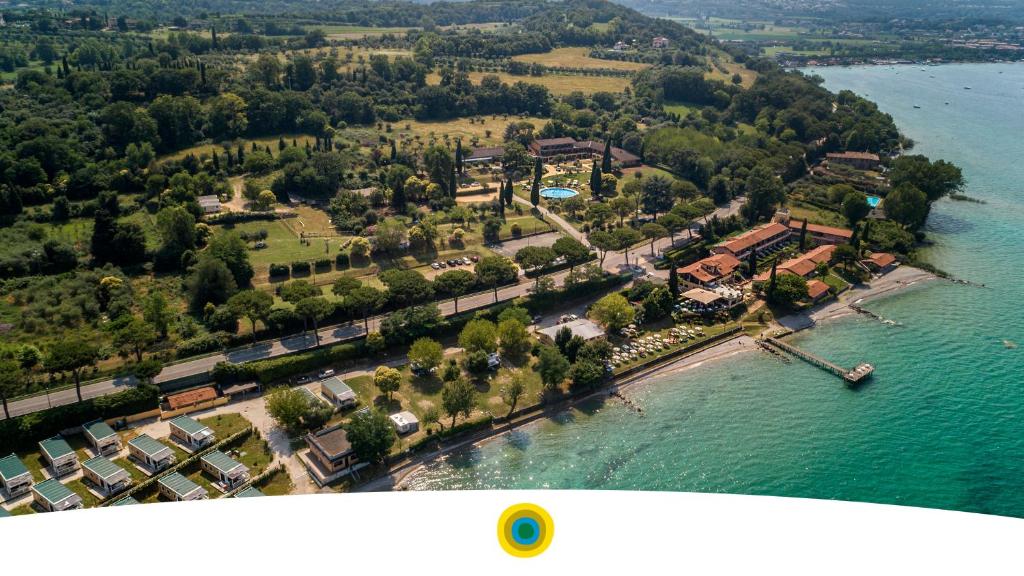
{"points": [[941, 424]]}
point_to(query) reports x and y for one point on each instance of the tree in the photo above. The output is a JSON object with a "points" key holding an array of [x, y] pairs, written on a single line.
{"points": [[855, 207], [426, 354], [604, 242], [210, 282], [789, 289], [514, 339], [626, 238], [803, 237], [11, 382], [387, 380], [613, 311], [494, 271], [673, 223], [479, 335], [364, 301], [134, 336], [657, 195], [535, 187], [535, 258], [314, 308], [229, 248], [253, 304], [934, 179], [509, 192], [764, 193], [606, 158], [653, 231], [454, 283], [457, 398], [458, 156], [586, 374], [72, 355], [157, 312], [595, 181], [297, 290], [293, 410], [846, 254], [439, 165], [512, 391], [908, 206], [673, 279], [622, 206], [552, 366], [344, 285], [574, 252], [371, 435]]}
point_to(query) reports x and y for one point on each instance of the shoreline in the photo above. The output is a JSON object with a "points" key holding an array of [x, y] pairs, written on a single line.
{"points": [[899, 279]]}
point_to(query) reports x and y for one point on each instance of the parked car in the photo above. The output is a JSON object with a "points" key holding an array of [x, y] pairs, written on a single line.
{"points": [[326, 373], [474, 258], [435, 266], [466, 260], [304, 379]]}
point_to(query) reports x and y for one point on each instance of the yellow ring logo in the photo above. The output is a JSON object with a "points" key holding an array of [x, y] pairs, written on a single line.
{"points": [[525, 530]]}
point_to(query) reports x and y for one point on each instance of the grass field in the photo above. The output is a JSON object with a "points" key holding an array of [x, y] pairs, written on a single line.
{"points": [[680, 108], [488, 133], [577, 57], [558, 84], [348, 32], [283, 245], [271, 141]]}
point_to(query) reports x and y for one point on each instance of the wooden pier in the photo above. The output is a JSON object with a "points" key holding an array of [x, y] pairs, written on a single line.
{"points": [[854, 376]]}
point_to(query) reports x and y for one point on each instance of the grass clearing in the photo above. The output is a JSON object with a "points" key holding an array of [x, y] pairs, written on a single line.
{"points": [[558, 84], [277, 484], [210, 147], [224, 425], [578, 57], [349, 32], [487, 133]]}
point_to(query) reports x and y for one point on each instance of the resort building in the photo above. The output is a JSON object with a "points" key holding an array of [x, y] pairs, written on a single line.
{"points": [[817, 233], [817, 291], [859, 160], [59, 456], [15, 479], [105, 475], [210, 204], [660, 42], [337, 392], [191, 433], [547, 148], [760, 239], [619, 156], [194, 399], [703, 301], [102, 437], [248, 492], [485, 155], [583, 328], [52, 496], [803, 265], [176, 487], [405, 422], [571, 149], [227, 471], [150, 453], [313, 399], [331, 452], [707, 273], [880, 262]]}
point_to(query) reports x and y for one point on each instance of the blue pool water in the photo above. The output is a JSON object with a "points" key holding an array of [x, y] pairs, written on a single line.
{"points": [[557, 193], [873, 201]]}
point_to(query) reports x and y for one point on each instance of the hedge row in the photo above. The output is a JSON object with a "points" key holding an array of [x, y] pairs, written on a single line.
{"points": [[282, 367], [23, 432]]}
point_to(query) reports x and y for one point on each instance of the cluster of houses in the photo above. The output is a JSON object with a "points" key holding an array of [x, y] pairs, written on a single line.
{"points": [[551, 148], [710, 279]]}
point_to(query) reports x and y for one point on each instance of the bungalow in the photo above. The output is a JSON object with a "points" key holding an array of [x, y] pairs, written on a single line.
{"points": [[331, 450], [822, 234], [107, 476], [660, 42], [709, 271], [210, 204], [337, 392], [58, 453], [619, 156], [191, 433], [15, 478], [248, 492], [313, 399], [817, 290], [226, 470], [52, 496], [103, 438], [759, 239], [126, 501], [859, 160], [803, 265], [485, 155], [150, 453], [583, 328], [405, 422], [176, 487], [191, 398], [880, 262], [550, 147]]}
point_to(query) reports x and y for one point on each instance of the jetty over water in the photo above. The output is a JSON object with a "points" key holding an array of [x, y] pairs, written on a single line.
{"points": [[852, 376]]}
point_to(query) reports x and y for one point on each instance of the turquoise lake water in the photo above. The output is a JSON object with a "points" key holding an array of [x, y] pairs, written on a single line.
{"points": [[940, 425]]}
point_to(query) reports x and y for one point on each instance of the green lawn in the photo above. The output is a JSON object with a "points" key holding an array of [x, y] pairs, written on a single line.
{"points": [[88, 499], [224, 425], [283, 245], [277, 484]]}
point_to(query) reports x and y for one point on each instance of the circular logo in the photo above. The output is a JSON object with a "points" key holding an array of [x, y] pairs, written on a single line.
{"points": [[525, 530]]}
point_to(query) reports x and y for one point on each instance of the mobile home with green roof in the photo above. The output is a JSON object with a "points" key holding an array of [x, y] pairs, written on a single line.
{"points": [[102, 438], [108, 477], [59, 455], [225, 470], [176, 487], [15, 479], [151, 454], [191, 433], [52, 496]]}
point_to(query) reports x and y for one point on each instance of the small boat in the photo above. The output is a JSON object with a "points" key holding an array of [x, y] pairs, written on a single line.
{"points": [[967, 87], [916, 106]]}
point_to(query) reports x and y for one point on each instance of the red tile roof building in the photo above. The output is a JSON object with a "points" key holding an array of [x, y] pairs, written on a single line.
{"points": [[822, 234], [803, 265], [709, 270], [880, 261], [861, 160], [757, 239], [816, 290]]}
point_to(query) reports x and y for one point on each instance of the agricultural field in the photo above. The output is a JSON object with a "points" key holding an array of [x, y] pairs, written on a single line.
{"points": [[487, 131], [558, 84], [350, 32], [723, 68], [577, 57]]}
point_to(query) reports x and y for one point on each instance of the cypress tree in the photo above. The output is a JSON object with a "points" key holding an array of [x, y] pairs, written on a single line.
{"points": [[673, 279], [595, 181], [501, 206], [803, 235], [752, 263], [394, 151], [458, 156], [230, 159], [510, 190], [771, 280], [453, 184], [864, 233], [213, 37], [535, 188], [241, 155], [606, 158], [281, 145], [216, 161]]}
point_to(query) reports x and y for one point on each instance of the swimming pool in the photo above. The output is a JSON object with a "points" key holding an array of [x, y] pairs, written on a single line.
{"points": [[558, 193], [873, 201]]}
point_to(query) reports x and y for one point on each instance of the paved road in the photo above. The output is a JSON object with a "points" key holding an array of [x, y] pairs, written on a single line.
{"points": [[615, 262]]}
